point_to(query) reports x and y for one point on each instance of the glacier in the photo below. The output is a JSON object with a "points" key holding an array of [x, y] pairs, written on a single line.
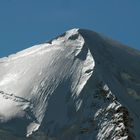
{"points": [[80, 85]]}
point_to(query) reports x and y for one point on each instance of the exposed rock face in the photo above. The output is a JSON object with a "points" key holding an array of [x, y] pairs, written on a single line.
{"points": [[78, 86]]}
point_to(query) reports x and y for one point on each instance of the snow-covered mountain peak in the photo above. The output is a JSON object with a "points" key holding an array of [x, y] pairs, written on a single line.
{"points": [[77, 86]]}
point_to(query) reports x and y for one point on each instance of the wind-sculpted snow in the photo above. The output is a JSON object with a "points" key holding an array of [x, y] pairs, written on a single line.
{"points": [[78, 86], [40, 79]]}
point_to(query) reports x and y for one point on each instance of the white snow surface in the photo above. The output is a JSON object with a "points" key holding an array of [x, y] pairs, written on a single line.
{"points": [[78, 86]]}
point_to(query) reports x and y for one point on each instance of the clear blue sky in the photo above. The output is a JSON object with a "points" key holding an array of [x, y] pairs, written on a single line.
{"points": [[24, 23]]}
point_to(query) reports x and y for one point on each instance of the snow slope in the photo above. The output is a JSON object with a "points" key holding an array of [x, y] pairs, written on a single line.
{"points": [[78, 86]]}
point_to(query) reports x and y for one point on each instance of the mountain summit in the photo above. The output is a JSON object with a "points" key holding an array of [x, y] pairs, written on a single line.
{"points": [[78, 86]]}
